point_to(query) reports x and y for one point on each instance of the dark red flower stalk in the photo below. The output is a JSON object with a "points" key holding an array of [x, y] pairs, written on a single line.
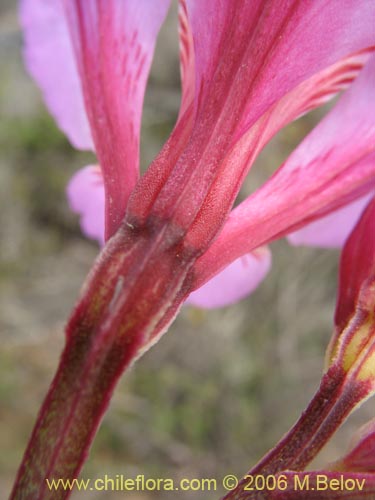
{"points": [[348, 381]]}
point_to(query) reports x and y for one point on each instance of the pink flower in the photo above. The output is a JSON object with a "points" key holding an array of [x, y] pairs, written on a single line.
{"points": [[247, 70], [249, 67]]}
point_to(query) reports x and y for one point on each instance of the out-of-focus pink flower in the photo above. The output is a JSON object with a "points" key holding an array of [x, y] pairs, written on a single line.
{"points": [[248, 69], [331, 231], [236, 281], [86, 197]]}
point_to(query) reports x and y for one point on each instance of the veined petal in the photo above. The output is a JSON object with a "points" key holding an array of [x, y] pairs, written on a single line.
{"points": [[114, 43], [151, 183], [264, 49], [86, 197], [235, 282], [187, 63], [331, 167], [248, 56], [50, 60], [332, 230]]}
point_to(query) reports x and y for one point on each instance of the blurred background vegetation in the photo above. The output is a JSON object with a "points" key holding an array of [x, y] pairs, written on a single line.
{"points": [[222, 386]]}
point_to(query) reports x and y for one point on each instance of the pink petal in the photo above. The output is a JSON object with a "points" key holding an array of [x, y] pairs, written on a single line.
{"points": [[187, 62], [152, 182], [332, 230], [114, 43], [50, 60], [332, 166], [235, 282], [85, 193], [262, 50], [249, 56]]}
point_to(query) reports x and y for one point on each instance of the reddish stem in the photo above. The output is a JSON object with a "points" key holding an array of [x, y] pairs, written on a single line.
{"points": [[134, 291], [68, 420], [329, 407]]}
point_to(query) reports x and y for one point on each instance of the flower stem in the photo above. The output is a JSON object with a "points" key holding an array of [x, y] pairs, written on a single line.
{"points": [[68, 420], [329, 407], [133, 293]]}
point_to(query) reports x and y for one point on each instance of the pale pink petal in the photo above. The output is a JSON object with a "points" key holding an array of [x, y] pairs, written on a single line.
{"points": [[249, 56], [332, 230], [85, 193], [333, 165], [114, 43], [235, 282], [50, 60]]}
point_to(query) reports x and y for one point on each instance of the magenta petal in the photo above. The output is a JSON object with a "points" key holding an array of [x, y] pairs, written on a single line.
{"points": [[334, 165], [114, 43], [235, 282], [85, 193], [261, 50], [156, 176], [332, 230], [248, 56], [187, 63], [50, 60]]}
